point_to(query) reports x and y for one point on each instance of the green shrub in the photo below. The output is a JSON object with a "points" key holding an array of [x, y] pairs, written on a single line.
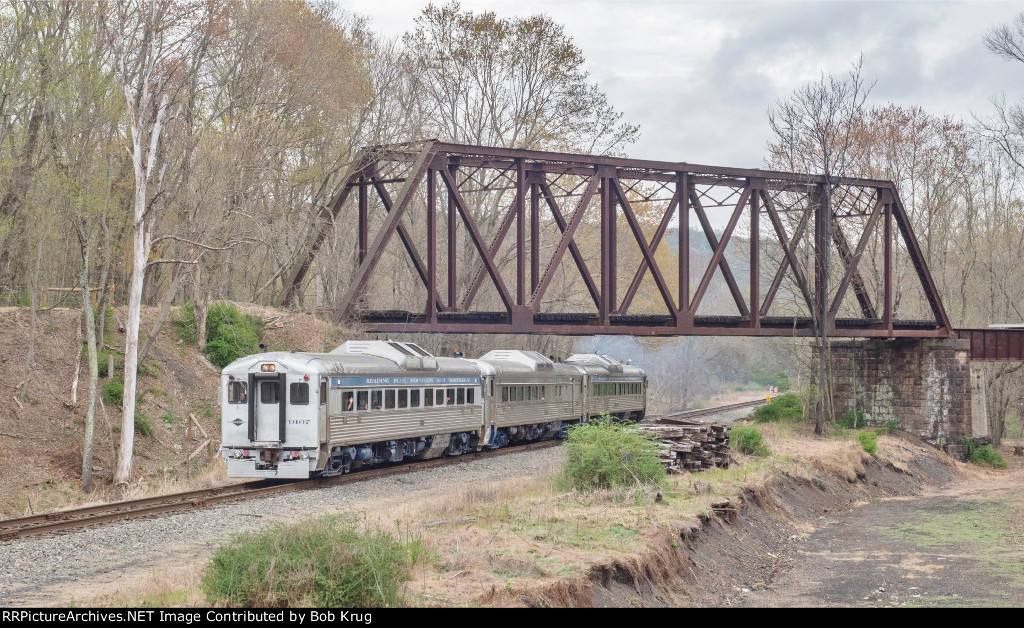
{"points": [[747, 439], [603, 454], [168, 418], [113, 391], [984, 454], [765, 376], [230, 334], [851, 420], [142, 424], [184, 321], [787, 407], [869, 441], [322, 562], [103, 360]]}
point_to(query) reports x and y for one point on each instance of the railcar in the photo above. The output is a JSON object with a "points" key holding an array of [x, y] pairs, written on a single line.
{"points": [[297, 415]]}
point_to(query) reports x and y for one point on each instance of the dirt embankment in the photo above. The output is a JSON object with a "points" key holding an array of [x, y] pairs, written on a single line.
{"points": [[909, 527], [43, 433], [726, 557]]}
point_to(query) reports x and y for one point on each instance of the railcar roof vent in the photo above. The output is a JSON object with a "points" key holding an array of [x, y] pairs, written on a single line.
{"points": [[531, 359], [405, 354], [593, 359]]}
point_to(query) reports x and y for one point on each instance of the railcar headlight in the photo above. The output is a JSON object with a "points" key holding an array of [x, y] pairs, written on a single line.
{"points": [[304, 456], [236, 453]]}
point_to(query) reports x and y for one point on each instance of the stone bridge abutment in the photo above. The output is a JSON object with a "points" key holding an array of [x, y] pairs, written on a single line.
{"points": [[927, 387]]}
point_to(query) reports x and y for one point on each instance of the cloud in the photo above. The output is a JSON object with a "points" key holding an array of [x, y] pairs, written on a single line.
{"points": [[699, 76]]}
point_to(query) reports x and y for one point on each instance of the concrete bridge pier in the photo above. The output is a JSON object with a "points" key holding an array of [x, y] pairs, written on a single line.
{"points": [[926, 386]]}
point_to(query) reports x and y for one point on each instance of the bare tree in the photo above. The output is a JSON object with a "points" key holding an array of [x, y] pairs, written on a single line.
{"points": [[815, 128], [147, 42]]}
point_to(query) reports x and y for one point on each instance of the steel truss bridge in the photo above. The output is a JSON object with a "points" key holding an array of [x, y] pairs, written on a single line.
{"points": [[795, 249]]}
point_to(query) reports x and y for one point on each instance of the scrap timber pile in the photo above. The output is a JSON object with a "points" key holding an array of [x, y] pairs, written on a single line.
{"points": [[690, 445]]}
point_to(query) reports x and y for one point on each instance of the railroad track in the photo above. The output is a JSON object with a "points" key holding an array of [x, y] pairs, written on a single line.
{"points": [[89, 516], [692, 414]]}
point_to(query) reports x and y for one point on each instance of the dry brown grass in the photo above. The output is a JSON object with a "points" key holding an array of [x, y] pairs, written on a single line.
{"points": [[505, 542]]}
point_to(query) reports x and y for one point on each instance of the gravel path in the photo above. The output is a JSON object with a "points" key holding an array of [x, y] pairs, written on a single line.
{"points": [[45, 571]]}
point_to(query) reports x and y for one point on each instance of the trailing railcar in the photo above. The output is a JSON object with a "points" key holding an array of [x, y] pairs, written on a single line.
{"points": [[293, 415], [613, 388]]}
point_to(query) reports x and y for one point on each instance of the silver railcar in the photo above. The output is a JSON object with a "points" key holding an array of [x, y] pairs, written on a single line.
{"points": [[293, 415]]}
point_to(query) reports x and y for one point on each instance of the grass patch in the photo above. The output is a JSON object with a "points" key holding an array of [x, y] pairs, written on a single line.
{"points": [[869, 441], [747, 439], [985, 529], [984, 454], [787, 407], [230, 334], [168, 418], [603, 454], [113, 391], [142, 424], [323, 562]]}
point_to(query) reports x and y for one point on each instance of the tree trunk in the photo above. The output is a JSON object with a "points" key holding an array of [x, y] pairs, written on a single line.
{"points": [[33, 287], [122, 476], [94, 372]]}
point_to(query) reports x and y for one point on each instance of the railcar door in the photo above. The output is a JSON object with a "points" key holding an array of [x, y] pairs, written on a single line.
{"points": [[268, 408]]}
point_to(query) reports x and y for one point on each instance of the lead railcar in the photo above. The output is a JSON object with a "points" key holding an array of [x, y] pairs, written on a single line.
{"points": [[293, 415]]}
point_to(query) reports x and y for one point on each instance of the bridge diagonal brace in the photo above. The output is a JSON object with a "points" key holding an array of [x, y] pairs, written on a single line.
{"points": [[851, 268], [383, 236], [638, 233], [299, 274], [790, 259], [574, 249], [403, 235], [655, 242], [567, 236], [718, 258], [496, 243], [917, 258], [859, 287], [474, 234]]}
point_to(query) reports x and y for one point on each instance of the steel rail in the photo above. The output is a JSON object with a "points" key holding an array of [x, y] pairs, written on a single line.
{"points": [[89, 516], [689, 414]]}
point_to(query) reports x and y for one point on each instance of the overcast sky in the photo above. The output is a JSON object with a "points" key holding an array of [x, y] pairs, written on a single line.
{"points": [[698, 77]]}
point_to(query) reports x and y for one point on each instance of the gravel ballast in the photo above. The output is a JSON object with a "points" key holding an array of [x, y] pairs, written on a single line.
{"points": [[43, 571]]}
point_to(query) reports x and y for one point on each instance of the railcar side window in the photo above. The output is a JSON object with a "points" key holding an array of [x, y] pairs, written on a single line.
{"points": [[298, 394], [403, 398], [460, 396], [414, 397], [236, 392], [439, 397], [323, 393], [449, 397], [268, 392], [376, 403], [428, 397], [363, 400], [469, 395], [504, 393], [348, 401], [389, 400]]}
